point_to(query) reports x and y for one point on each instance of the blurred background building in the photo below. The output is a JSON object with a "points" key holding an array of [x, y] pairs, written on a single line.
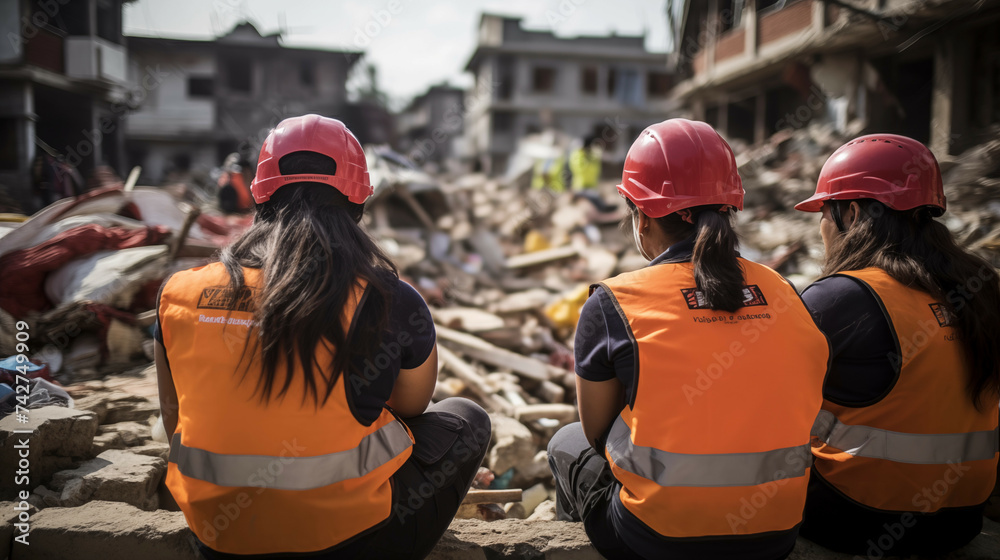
{"points": [[527, 81], [223, 96], [63, 88], [925, 69], [76, 93]]}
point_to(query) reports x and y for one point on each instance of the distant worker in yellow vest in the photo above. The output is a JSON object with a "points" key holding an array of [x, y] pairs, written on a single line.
{"points": [[295, 376], [548, 172], [585, 164], [908, 440], [699, 376]]}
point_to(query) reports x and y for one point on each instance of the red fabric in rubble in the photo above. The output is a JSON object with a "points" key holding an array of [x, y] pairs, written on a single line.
{"points": [[24, 271]]}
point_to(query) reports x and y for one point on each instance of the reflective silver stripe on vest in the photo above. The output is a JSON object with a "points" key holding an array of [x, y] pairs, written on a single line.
{"points": [[901, 447], [720, 469], [289, 472]]}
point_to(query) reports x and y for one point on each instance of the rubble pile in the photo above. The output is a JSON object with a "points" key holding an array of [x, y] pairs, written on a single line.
{"points": [[505, 269]]}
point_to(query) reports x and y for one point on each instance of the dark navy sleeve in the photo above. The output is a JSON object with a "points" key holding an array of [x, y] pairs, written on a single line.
{"points": [[417, 323], [861, 340], [157, 330], [603, 348], [405, 344]]}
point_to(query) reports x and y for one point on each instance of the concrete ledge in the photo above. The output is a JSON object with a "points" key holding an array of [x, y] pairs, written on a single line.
{"points": [[117, 531]]}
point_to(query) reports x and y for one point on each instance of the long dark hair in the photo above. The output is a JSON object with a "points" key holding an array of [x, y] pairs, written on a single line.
{"points": [[918, 251], [312, 252], [718, 273]]}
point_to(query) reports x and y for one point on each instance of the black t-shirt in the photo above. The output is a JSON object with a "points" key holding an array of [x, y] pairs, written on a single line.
{"points": [[406, 344]]}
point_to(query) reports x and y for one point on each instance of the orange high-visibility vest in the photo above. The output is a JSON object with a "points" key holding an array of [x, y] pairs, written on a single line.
{"points": [[923, 446], [254, 478], [716, 441]]}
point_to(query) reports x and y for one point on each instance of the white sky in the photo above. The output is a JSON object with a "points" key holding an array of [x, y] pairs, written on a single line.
{"points": [[424, 43]]}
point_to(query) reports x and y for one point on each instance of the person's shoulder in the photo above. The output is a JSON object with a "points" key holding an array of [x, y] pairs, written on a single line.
{"points": [[836, 292], [836, 285], [405, 294]]}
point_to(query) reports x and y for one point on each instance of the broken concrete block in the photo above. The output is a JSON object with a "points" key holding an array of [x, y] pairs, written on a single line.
{"points": [[112, 407], [512, 538], [532, 497], [58, 435], [114, 476], [546, 511], [108, 531], [105, 441], [152, 449], [42, 497], [132, 408], [96, 402], [8, 517], [513, 445], [132, 433]]}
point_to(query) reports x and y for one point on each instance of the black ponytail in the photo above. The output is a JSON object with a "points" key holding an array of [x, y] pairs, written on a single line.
{"points": [[718, 273]]}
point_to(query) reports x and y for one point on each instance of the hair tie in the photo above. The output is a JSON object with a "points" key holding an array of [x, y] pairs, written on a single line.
{"points": [[685, 215]]}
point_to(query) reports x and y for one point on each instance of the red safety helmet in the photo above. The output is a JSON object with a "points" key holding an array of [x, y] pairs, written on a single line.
{"points": [[313, 133], [677, 164], [894, 170]]}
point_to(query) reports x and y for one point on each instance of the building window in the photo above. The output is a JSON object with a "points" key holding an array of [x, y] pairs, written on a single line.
{"points": [[109, 25], [588, 80], [503, 121], [200, 86], [8, 145], [240, 74], [612, 81], [766, 5], [505, 77], [307, 73], [543, 79], [730, 14], [657, 84]]}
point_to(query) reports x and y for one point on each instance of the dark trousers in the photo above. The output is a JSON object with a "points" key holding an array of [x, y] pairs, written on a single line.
{"points": [[584, 489], [451, 439]]}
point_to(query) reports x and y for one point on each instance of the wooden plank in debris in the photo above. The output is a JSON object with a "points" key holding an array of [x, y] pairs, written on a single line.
{"points": [[469, 319], [492, 496], [534, 258], [474, 382], [564, 413], [478, 349]]}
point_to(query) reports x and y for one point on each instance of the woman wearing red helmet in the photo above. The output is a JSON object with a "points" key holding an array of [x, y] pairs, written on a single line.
{"points": [[907, 450], [699, 376], [284, 370]]}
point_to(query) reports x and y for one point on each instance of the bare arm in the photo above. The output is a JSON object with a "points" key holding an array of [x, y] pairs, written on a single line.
{"points": [[168, 394], [600, 402], [413, 389]]}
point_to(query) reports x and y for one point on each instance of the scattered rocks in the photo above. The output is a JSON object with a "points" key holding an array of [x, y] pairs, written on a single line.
{"points": [[131, 433], [59, 436], [132, 409], [8, 518], [85, 532], [513, 445], [106, 441], [153, 449], [473, 539], [114, 475], [546, 511]]}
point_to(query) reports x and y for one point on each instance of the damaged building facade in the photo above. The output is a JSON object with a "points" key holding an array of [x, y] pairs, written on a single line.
{"points": [[527, 81], [928, 69], [63, 89], [223, 95], [430, 127]]}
